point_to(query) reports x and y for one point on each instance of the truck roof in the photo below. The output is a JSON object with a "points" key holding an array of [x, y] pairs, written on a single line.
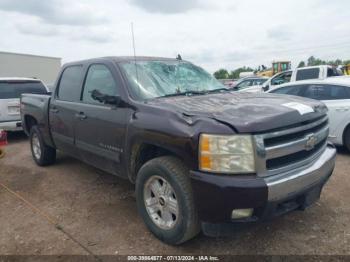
{"points": [[124, 59], [310, 67], [18, 79], [335, 80]]}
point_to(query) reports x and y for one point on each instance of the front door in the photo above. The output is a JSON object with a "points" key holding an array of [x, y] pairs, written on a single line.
{"points": [[100, 128]]}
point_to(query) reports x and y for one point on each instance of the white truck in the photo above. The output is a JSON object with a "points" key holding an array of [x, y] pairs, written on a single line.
{"points": [[303, 73]]}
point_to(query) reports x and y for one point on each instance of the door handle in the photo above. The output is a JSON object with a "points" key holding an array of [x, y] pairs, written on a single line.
{"points": [[80, 115], [54, 110], [342, 109]]}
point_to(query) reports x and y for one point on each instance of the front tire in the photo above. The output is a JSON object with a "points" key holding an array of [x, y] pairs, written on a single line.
{"points": [[347, 138], [43, 155], [165, 200]]}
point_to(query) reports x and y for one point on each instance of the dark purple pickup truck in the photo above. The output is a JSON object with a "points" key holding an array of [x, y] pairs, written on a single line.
{"points": [[201, 156]]}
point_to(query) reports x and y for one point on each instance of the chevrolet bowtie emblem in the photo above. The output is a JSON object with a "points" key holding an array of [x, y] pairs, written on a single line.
{"points": [[311, 141]]}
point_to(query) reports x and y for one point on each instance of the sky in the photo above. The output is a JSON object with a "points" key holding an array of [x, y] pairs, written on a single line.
{"points": [[213, 34]]}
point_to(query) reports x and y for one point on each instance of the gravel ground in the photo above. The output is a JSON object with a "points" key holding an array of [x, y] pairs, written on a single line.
{"points": [[98, 211]]}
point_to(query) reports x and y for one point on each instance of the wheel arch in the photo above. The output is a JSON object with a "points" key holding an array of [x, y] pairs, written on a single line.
{"points": [[346, 129], [29, 122], [143, 152]]}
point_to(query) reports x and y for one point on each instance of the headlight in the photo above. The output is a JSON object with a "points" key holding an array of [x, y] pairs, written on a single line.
{"points": [[226, 153]]}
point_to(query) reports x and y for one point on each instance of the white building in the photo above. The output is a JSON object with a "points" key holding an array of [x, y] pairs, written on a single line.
{"points": [[23, 65]]}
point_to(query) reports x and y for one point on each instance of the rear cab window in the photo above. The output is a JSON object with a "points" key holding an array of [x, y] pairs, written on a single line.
{"points": [[69, 88], [310, 73], [14, 89]]}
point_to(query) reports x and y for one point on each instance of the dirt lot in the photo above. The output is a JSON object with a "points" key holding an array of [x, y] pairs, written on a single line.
{"points": [[99, 211]]}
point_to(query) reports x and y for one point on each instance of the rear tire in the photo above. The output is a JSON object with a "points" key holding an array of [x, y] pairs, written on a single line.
{"points": [[169, 211], [43, 155], [347, 138]]}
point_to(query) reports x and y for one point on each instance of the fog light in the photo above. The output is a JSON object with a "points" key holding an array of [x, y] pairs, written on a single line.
{"points": [[242, 213]]}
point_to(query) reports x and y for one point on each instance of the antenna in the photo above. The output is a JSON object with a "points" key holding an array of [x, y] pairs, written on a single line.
{"points": [[133, 45]]}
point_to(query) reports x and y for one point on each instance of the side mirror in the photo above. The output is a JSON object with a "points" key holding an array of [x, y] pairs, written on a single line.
{"points": [[105, 99], [112, 100], [265, 87]]}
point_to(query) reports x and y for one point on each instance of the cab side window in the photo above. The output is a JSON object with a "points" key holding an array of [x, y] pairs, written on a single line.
{"points": [[327, 92], [69, 88], [281, 78], [289, 90], [244, 84], [99, 82], [334, 72], [304, 74]]}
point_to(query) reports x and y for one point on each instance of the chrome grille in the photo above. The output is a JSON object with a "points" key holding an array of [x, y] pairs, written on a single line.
{"points": [[287, 149]]}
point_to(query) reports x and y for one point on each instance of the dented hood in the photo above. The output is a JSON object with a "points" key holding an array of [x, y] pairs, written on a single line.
{"points": [[247, 112]]}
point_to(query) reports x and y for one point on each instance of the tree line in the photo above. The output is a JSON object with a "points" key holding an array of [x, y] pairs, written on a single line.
{"points": [[311, 61]]}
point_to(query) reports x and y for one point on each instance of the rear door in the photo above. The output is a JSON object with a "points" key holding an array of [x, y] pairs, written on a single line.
{"points": [[100, 128], [62, 108]]}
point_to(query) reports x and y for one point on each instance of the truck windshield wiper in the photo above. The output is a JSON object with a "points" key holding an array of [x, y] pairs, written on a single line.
{"points": [[186, 93], [194, 92], [218, 90]]}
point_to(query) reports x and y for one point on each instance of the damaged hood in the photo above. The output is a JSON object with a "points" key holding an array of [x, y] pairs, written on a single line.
{"points": [[246, 112]]}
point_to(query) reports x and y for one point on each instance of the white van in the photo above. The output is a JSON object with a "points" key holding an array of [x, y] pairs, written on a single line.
{"points": [[11, 90]]}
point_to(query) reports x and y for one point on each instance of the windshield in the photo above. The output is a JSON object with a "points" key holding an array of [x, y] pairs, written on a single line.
{"points": [[151, 79], [10, 89]]}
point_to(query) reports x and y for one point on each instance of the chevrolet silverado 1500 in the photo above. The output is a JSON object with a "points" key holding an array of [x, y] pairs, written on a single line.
{"points": [[200, 155]]}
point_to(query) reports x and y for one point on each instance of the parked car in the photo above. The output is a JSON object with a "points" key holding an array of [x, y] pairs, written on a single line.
{"points": [[228, 82], [247, 82], [246, 74], [277, 79], [303, 73], [335, 93], [10, 93], [201, 156]]}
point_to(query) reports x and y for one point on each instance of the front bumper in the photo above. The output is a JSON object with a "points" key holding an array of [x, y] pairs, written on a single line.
{"points": [[11, 126], [217, 195]]}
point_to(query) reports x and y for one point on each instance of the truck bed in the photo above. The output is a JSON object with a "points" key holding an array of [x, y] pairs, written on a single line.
{"points": [[36, 107]]}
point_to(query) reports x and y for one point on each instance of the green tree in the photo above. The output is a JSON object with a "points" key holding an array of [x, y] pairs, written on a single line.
{"points": [[301, 64], [235, 73], [336, 62], [312, 61], [221, 74]]}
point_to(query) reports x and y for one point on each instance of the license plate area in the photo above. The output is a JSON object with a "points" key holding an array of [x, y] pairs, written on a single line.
{"points": [[311, 197]]}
